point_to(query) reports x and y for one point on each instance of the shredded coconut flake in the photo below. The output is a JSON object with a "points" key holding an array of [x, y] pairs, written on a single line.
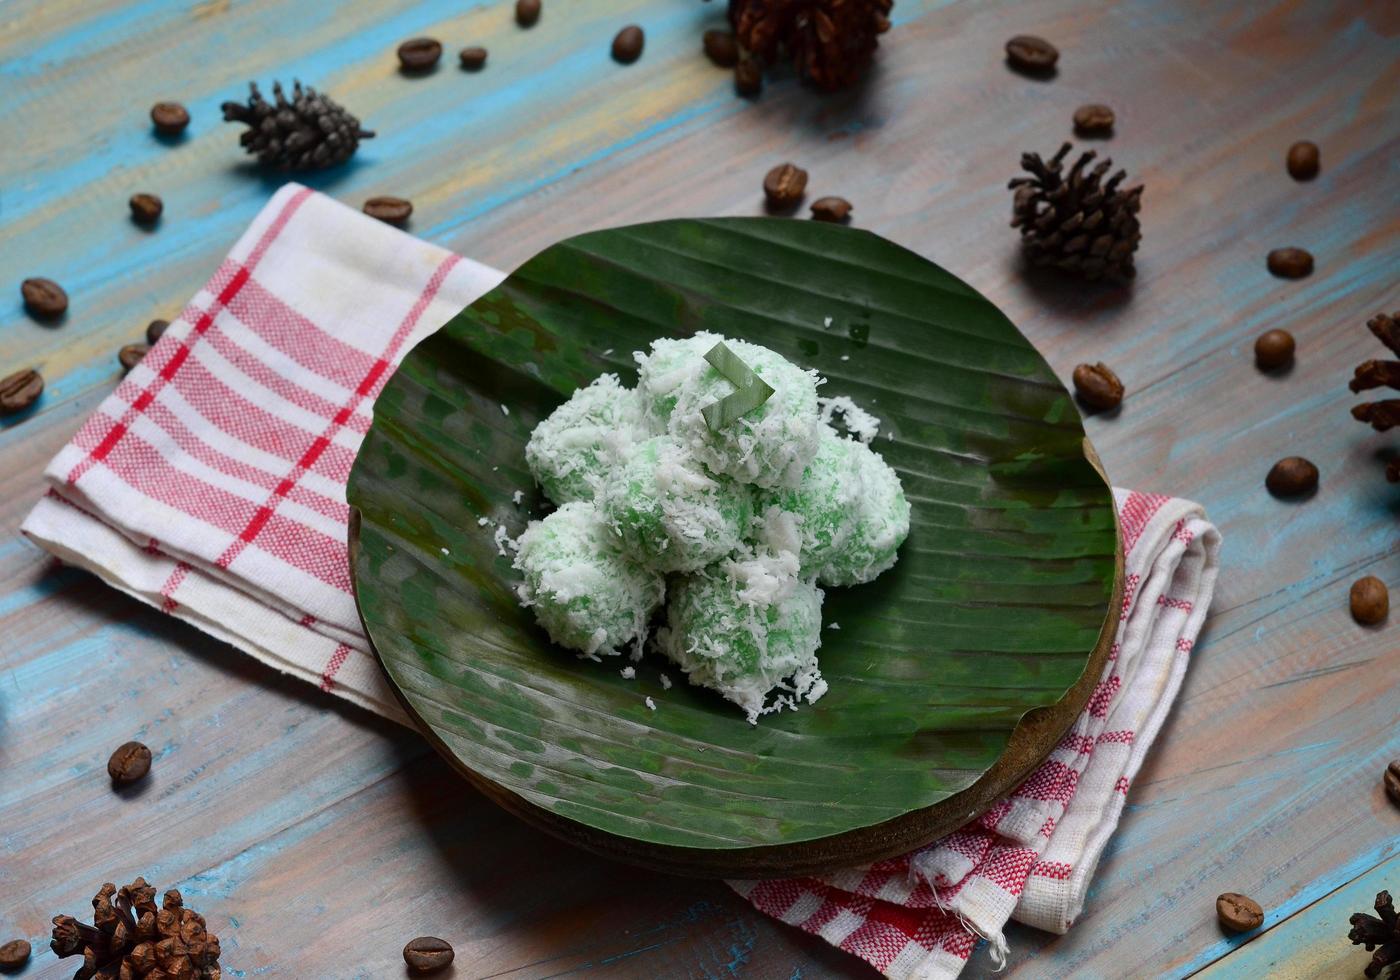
{"points": [[651, 704], [482, 521], [665, 683], [607, 352], [826, 323], [834, 626], [628, 673], [856, 420], [504, 540], [444, 551], [518, 496], [845, 357], [504, 410]]}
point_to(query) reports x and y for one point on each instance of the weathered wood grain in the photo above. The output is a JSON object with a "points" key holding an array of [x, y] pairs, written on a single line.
{"points": [[318, 839]]}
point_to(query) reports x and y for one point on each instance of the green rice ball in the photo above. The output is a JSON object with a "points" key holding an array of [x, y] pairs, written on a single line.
{"points": [[584, 593], [745, 628], [881, 525], [570, 452], [662, 370], [826, 502], [671, 515], [768, 447]]}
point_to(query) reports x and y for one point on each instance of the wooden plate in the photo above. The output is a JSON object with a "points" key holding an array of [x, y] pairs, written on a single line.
{"points": [[952, 676]]}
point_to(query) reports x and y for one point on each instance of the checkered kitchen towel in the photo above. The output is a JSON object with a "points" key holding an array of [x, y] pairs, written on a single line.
{"points": [[211, 484]]}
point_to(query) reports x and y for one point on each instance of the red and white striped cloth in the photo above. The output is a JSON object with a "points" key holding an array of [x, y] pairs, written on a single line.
{"points": [[211, 484]]}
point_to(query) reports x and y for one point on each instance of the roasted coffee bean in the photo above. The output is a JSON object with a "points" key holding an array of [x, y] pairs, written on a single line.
{"points": [[1093, 119], [14, 954], [146, 208], [390, 210], [1238, 913], [131, 355], [1392, 782], [472, 58], [20, 390], [130, 762], [833, 209], [527, 12], [170, 118], [1370, 601], [427, 953], [44, 298], [748, 75], [627, 46], [1097, 386], [1304, 160], [721, 48], [1029, 53], [419, 54], [1291, 476], [784, 186], [1291, 263], [154, 330], [1274, 349]]}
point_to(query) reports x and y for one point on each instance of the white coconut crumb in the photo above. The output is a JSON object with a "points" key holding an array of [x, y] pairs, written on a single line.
{"points": [[834, 626], [518, 496], [845, 357], [494, 468], [444, 551], [504, 540], [607, 352], [505, 410], [665, 683], [856, 420], [651, 704], [826, 323], [628, 673], [482, 521]]}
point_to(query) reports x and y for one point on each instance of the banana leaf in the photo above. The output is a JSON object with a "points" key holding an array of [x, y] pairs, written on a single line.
{"points": [[950, 676]]}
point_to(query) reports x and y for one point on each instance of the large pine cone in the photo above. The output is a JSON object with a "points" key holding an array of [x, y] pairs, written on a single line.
{"points": [[310, 132], [830, 41], [1384, 414], [1075, 221], [130, 939]]}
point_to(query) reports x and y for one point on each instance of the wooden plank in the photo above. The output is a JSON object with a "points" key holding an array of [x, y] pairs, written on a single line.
{"points": [[270, 797], [1313, 943]]}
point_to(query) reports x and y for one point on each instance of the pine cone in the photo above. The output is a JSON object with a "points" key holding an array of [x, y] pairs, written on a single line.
{"points": [[1379, 934], [130, 939], [1384, 414], [308, 133], [830, 41], [1074, 221]]}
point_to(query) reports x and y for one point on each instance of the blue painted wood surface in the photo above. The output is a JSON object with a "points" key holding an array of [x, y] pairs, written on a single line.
{"points": [[318, 839]]}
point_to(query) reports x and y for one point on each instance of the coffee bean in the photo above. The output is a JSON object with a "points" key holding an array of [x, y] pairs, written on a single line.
{"points": [[146, 208], [527, 12], [427, 953], [1032, 54], [1238, 913], [154, 330], [130, 762], [833, 209], [472, 58], [627, 46], [1097, 386], [44, 298], [419, 54], [1370, 601], [390, 210], [170, 118], [1304, 160], [784, 186], [1093, 119], [748, 75], [1274, 349], [1291, 263], [721, 48], [1392, 782], [131, 355], [20, 390], [1291, 476], [14, 954]]}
